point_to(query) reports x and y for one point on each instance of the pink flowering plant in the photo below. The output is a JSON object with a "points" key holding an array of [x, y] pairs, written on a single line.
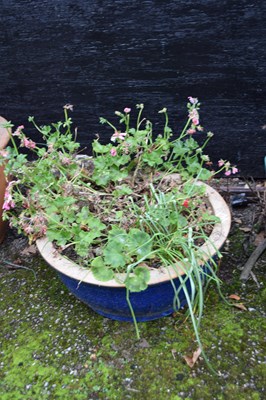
{"points": [[119, 210], [87, 204]]}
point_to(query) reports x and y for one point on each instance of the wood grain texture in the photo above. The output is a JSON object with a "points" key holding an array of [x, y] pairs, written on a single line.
{"points": [[103, 55]]}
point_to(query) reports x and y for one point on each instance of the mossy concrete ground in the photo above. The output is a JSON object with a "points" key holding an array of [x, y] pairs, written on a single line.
{"points": [[53, 347]]}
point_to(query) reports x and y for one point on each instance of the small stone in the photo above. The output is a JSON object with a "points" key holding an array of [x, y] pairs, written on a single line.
{"points": [[143, 344], [93, 357]]}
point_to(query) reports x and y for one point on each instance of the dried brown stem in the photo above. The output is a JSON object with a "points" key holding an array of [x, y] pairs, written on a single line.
{"points": [[252, 260]]}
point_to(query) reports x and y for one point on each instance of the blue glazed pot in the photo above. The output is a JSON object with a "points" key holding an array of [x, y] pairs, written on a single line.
{"points": [[152, 303], [158, 300]]}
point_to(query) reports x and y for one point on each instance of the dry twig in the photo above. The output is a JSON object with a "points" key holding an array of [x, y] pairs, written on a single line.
{"points": [[252, 260], [11, 265]]}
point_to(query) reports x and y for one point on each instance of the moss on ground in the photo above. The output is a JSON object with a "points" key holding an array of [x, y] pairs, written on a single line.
{"points": [[54, 347]]}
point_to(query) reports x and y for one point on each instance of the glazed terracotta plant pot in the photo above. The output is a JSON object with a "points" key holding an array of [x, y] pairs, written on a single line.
{"points": [[109, 298], [4, 138]]}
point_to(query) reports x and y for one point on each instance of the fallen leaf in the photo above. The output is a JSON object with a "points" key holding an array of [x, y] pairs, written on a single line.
{"points": [[238, 220], [240, 305], [17, 261], [175, 314], [245, 229], [234, 297], [259, 239], [192, 360], [32, 249]]}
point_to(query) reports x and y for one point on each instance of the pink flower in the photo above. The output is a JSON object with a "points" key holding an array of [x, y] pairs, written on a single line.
{"points": [[191, 131], [127, 110], [234, 170], [194, 116], [220, 163], [68, 107], [193, 100], [42, 230], [118, 135], [28, 229], [4, 153], [27, 143], [113, 152], [38, 219], [8, 203], [66, 161], [9, 187], [228, 173], [18, 130]]}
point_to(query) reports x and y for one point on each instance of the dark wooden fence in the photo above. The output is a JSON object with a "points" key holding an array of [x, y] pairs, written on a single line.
{"points": [[103, 55]]}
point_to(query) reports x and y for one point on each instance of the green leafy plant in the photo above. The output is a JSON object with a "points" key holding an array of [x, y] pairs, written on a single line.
{"points": [[118, 211]]}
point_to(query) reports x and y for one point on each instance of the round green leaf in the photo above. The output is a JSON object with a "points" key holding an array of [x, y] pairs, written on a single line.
{"points": [[100, 270], [135, 283]]}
